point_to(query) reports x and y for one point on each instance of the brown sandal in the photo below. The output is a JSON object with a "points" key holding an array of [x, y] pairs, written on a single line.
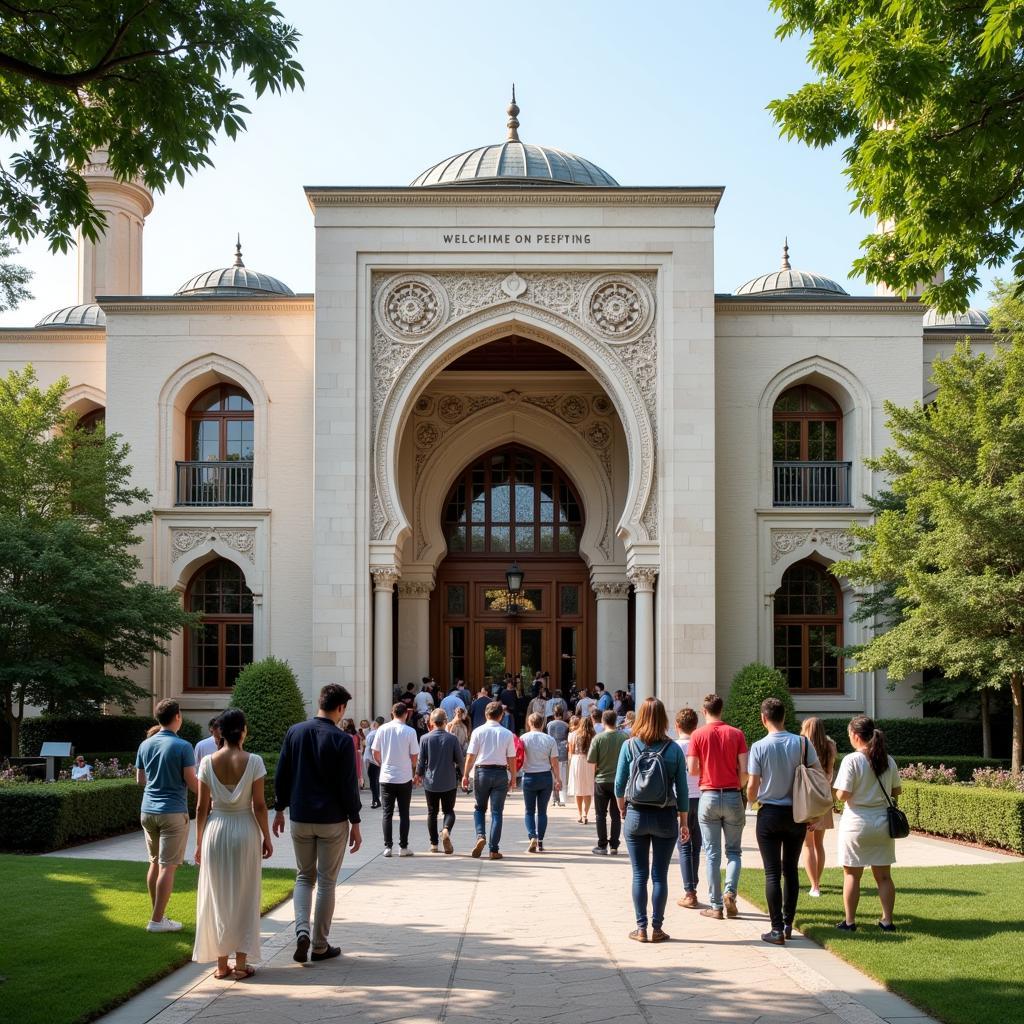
{"points": [[244, 972]]}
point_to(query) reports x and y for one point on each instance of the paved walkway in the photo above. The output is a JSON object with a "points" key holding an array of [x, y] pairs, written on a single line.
{"points": [[532, 938]]}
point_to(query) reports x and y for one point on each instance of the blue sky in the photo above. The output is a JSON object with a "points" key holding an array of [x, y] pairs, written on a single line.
{"points": [[657, 93]]}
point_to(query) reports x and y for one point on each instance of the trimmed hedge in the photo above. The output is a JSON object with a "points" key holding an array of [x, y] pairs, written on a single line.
{"points": [[751, 685], [47, 816], [268, 692], [925, 738], [964, 765], [96, 732], [991, 816]]}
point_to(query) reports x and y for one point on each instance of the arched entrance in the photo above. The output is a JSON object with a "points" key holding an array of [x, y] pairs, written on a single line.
{"points": [[512, 504]]}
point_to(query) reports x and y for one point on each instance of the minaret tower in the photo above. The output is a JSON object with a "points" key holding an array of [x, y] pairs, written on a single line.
{"points": [[112, 265]]}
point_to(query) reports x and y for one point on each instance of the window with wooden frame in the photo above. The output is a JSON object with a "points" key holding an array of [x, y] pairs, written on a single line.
{"points": [[807, 426], [220, 425], [808, 628], [222, 645]]}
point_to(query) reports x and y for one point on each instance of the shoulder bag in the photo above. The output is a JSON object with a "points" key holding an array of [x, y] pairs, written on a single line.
{"points": [[812, 790], [899, 826]]}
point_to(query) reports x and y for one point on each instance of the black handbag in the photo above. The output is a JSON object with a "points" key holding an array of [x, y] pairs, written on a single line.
{"points": [[899, 826]]}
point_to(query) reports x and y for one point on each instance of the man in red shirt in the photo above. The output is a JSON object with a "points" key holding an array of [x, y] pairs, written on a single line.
{"points": [[718, 754]]}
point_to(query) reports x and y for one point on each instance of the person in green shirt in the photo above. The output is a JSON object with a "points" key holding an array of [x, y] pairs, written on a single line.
{"points": [[604, 752]]}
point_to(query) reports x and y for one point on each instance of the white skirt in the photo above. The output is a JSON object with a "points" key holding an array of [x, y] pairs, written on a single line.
{"points": [[863, 839]]}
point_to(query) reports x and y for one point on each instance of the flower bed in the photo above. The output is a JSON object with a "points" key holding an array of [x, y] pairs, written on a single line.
{"points": [[975, 813], [963, 767]]}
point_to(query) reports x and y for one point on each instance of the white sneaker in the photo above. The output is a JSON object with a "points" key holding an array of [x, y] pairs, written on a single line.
{"points": [[387, 851], [433, 849], [815, 893], [166, 925], [406, 852]]}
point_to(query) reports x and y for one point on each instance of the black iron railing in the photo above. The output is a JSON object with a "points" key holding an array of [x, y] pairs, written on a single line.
{"points": [[214, 483], [811, 483]]}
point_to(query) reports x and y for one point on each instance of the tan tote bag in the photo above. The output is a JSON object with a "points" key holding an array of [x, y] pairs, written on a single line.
{"points": [[812, 789]]}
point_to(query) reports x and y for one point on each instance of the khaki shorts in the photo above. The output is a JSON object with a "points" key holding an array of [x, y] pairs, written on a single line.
{"points": [[166, 837]]}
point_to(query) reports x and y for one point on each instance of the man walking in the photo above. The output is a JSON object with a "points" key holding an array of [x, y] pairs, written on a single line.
{"points": [[167, 769], [689, 852], [604, 752], [211, 744], [585, 703], [316, 779], [718, 754], [439, 766], [372, 768], [773, 764], [478, 709], [492, 750], [396, 750], [604, 699], [558, 730], [452, 703]]}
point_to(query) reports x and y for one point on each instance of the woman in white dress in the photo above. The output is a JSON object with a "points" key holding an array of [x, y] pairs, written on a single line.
{"points": [[581, 772], [863, 834], [232, 834]]}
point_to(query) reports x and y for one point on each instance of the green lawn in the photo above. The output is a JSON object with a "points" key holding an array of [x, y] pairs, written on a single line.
{"points": [[73, 941], [959, 946]]}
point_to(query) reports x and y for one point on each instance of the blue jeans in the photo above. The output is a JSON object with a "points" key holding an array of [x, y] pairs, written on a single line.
{"points": [[650, 836], [490, 783], [689, 852], [722, 813], [537, 788]]}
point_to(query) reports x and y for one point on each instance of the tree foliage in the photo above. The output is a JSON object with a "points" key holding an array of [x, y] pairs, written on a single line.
{"points": [[74, 619], [14, 278], [953, 554], [929, 100], [149, 81]]}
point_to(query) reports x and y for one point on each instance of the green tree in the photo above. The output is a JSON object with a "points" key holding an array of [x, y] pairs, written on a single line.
{"points": [[74, 619], [147, 80], [954, 552], [13, 278], [928, 99]]}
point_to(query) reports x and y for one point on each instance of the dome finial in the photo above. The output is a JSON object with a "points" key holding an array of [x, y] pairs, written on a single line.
{"points": [[785, 255], [513, 117], [238, 252]]}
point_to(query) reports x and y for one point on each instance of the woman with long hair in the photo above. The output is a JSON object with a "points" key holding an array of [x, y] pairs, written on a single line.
{"points": [[651, 829], [581, 773], [865, 778], [459, 727], [813, 729], [232, 834]]}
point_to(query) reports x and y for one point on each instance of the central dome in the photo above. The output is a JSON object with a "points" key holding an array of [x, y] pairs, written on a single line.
{"points": [[513, 162]]}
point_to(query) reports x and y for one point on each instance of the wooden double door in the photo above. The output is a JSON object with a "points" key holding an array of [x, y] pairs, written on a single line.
{"points": [[480, 632]]}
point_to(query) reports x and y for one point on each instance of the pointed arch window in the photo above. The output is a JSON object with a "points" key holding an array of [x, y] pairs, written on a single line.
{"points": [[222, 645], [807, 449], [221, 449], [808, 628]]}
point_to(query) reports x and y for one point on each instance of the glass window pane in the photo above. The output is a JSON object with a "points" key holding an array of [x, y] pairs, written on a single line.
{"points": [[495, 654], [531, 599], [788, 401], [500, 504], [456, 598], [479, 537], [547, 538], [818, 401], [499, 538], [457, 538], [206, 440], [568, 539], [524, 538]]}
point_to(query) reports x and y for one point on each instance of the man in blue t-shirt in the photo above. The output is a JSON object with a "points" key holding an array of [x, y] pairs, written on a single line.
{"points": [[166, 766], [604, 699]]}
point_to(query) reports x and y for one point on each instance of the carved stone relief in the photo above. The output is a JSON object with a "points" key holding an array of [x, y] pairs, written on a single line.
{"points": [[613, 313], [786, 541], [618, 591], [643, 577], [240, 539]]}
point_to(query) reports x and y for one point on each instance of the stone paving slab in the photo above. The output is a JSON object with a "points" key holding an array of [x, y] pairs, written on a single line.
{"points": [[531, 939]]}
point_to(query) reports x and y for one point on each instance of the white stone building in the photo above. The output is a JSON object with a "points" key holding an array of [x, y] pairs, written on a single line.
{"points": [[512, 360]]}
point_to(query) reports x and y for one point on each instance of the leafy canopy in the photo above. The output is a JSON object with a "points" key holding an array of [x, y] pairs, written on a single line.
{"points": [[74, 619], [929, 99], [146, 80]]}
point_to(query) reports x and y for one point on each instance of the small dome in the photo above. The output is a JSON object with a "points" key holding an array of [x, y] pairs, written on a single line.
{"points": [[515, 163], [971, 318], [787, 282], [234, 280], [85, 315]]}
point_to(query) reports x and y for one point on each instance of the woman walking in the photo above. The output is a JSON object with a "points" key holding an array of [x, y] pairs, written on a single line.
{"points": [[540, 779], [655, 818], [581, 773], [348, 725], [814, 842], [864, 779], [232, 834], [459, 728]]}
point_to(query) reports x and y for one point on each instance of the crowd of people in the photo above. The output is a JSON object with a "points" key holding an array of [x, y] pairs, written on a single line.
{"points": [[657, 793]]}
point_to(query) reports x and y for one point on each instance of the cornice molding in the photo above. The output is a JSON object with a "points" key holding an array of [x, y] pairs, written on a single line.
{"points": [[455, 195], [24, 335], [216, 304], [851, 304]]}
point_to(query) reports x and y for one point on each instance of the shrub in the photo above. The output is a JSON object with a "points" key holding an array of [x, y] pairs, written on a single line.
{"points": [[44, 816], [979, 815], [939, 775], [191, 731], [752, 684], [918, 737], [269, 695], [999, 778], [964, 766], [86, 732]]}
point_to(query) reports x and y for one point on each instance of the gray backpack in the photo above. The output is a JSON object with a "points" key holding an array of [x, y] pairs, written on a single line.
{"points": [[649, 784]]}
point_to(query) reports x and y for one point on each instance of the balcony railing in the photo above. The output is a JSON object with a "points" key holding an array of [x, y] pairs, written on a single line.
{"points": [[214, 483], [808, 484]]}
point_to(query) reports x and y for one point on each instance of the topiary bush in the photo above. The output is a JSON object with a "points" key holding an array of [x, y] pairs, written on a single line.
{"points": [[268, 693], [751, 685]]}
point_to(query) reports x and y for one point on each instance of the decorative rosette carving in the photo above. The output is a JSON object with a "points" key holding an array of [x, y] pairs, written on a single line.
{"points": [[602, 405], [411, 308], [598, 435], [620, 306], [451, 408], [573, 408], [427, 435]]}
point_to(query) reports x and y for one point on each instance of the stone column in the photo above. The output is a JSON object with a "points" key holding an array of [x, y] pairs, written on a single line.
{"points": [[384, 580], [413, 630], [612, 634], [642, 577]]}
